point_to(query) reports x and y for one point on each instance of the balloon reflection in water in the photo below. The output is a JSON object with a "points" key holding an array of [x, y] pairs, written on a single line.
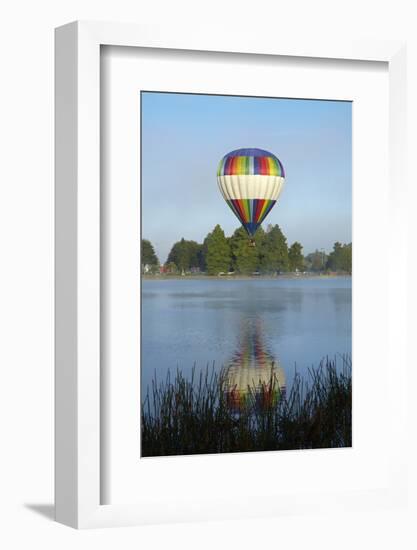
{"points": [[253, 377]]}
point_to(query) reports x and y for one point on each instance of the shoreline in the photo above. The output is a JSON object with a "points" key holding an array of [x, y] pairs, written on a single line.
{"points": [[287, 276]]}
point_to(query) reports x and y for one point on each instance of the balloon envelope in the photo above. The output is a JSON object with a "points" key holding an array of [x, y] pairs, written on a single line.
{"points": [[250, 181]]}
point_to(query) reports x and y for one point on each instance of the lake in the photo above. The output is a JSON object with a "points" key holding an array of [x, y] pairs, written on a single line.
{"points": [[245, 324]]}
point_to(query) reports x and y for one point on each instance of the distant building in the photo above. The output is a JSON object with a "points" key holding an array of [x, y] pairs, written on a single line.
{"points": [[168, 268]]}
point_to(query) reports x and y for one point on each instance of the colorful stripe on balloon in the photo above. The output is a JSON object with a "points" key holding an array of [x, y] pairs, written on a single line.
{"points": [[259, 162], [251, 212]]}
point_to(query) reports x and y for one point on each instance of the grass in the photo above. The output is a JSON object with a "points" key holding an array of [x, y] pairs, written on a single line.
{"points": [[194, 416]]}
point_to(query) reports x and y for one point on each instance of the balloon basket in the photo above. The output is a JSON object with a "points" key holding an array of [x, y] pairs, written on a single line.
{"points": [[252, 242]]}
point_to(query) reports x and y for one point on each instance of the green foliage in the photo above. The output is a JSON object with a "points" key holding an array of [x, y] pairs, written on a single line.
{"points": [[148, 256], [185, 255], [295, 257], [218, 252], [316, 261], [274, 251], [203, 254], [341, 258], [245, 258], [270, 255]]}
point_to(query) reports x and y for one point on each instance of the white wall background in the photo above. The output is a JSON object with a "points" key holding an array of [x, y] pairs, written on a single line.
{"points": [[26, 267]]}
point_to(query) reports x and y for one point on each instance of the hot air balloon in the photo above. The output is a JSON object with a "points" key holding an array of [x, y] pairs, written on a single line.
{"points": [[250, 181]]}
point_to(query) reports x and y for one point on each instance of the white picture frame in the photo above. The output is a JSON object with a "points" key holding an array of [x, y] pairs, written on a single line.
{"points": [[78, 405]]}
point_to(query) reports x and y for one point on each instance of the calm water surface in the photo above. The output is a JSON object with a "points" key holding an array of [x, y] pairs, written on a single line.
{"points": [[247, 322]]}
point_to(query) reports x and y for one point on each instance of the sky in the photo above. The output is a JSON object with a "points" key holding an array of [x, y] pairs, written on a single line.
{"points": [[184, 136]]}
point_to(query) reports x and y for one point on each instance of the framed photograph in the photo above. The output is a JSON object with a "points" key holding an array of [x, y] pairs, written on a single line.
{"points": [[225, 334]]}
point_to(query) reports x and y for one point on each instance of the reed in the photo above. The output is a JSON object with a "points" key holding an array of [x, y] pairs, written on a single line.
{"points": [[193, 416]]}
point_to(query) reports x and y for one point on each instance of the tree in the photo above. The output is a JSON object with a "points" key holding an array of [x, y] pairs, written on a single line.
{"points": [[340, 259], [202, 256], [218, 252], [193, 254], [274, 252], [316, 261], [245, 258], [148, 256], [259, 238], [347, 258], [185, 255], [295, 257], [178, 255]]}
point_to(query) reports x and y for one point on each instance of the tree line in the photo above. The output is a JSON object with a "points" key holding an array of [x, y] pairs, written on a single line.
{"points": [[221, 254]]}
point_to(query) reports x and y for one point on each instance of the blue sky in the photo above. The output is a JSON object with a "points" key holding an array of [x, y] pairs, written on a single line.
{"points": [[184, 137]]}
